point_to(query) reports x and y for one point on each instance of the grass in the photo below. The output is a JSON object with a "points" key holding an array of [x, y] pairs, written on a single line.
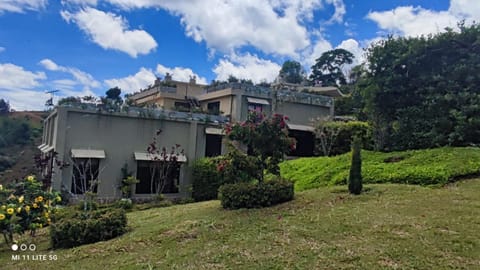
{"points": [[437, 166], [389, 226]]}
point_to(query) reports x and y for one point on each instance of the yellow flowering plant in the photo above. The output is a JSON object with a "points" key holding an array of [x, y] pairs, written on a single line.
{"points": [[27, 207]]}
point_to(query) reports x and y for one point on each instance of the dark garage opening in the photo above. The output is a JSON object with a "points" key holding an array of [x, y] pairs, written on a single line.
{"points": [[213, 145], [305, 143]]}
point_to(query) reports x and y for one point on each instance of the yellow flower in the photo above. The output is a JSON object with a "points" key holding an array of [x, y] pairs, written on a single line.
{"points": [[21, 199], [39, 199], [40, 225], [10, 211], [30, 178], [46, 214], [27, 208], [58, 198], [2, 216], [4, 207], [19, 209], [1, 187], [49, 221], [35, 205]]}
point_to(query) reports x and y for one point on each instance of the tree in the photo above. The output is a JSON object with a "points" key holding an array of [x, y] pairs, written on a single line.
{"points": [[355, 177], [266, 139], [4, 107], [423, 92], [292, 72], [69, 100], [328, 68], [114, 95]]}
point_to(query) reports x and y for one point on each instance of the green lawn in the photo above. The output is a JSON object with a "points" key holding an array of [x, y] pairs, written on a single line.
{"points": [[437, 166], [388, 227]]}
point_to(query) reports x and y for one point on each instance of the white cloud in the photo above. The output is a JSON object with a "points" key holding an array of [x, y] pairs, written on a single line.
{"points": [[20, 6], [246, 67], [80, 2], [81, 77], [416, 21], [180, 74], [274, 26], [313, 53], [340, 10], [133, 83], [353, 46], [111, 31], [17, 86], [2, 49]]}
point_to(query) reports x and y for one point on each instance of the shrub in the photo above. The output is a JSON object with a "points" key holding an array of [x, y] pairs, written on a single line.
{"points": [[124, 203], [355, 178], [84, 228], [421, 167], [255, 195], [334, 138], [206, 179]]}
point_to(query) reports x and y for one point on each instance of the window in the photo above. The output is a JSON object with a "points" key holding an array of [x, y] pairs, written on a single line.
{"points": [[253, 107], [85, 174], [182, 106], [144, 175], [214, 107], [213, 145]]}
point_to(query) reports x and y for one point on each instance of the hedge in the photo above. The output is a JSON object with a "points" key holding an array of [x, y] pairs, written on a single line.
{"points": [[437, 166], [255, 195], [206, 180], [88, 227], [346, 132]]}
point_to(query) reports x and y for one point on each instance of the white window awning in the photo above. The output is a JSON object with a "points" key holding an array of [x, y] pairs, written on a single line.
{"points": [[87, 153], [214, 131], [258, 101], [149, 157], [300, 127], [41, 146], [47, 149]]}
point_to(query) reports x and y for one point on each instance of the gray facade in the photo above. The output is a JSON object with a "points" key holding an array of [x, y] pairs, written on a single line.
{"points": [[118, 138]]}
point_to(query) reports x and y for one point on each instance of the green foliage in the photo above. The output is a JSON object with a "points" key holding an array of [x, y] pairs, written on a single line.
{"points": [[26, 207], [266, 138], [127, 185], [355, 177], [114, 94], [69, 100], [334, 137], [423, 92], [423, 167], [292, 72], [253, 195], [124, 203], [82, 228], [328, 68], [206, 179], [14, 131], [4, 107]]}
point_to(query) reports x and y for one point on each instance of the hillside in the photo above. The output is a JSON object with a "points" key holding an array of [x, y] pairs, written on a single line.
{"points": [[388, 227], [22, 155], [437, 166]]}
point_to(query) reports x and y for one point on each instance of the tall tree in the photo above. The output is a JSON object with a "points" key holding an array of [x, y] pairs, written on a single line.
{"points": [[328, 68], [292, 72], [114, 94], [4, 107]]}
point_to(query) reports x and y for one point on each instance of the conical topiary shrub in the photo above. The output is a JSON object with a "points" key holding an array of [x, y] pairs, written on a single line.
{"points": [[355, 178]]}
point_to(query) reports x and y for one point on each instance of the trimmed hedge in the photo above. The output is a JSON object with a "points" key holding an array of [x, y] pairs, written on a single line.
{"points": [[206, 180], [255, 195], [437, 166], [88, 227]]}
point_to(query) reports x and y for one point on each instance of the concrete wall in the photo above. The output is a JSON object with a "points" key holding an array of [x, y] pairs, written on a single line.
{"points": [[302, 114], [120, 136]]}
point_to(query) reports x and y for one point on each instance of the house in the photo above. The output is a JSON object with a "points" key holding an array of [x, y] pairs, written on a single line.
{"points": [[97, 142]]}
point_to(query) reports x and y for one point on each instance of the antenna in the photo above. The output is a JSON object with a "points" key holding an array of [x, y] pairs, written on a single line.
{"points": [[49, 102]]}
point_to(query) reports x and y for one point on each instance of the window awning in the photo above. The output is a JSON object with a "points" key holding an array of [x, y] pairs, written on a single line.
{"points": [[214, 131], [300, 127], [87, 153], [148, 157], [45, 148], [258, 101]]}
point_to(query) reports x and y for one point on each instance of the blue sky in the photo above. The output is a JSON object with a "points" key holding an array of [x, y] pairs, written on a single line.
{"points": [[84, 47]]}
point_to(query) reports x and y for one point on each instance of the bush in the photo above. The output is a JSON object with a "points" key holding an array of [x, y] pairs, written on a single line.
{"points": [[355, 177], [206, 180], [340, 136], [88, 227], [255, 195], [421, 167], [124, 203]]}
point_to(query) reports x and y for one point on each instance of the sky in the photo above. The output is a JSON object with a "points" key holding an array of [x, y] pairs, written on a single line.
{"points": [[85, 47]]}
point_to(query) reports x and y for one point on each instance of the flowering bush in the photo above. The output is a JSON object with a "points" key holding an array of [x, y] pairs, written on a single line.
{"points": [[266, 138], [25, 208]]}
